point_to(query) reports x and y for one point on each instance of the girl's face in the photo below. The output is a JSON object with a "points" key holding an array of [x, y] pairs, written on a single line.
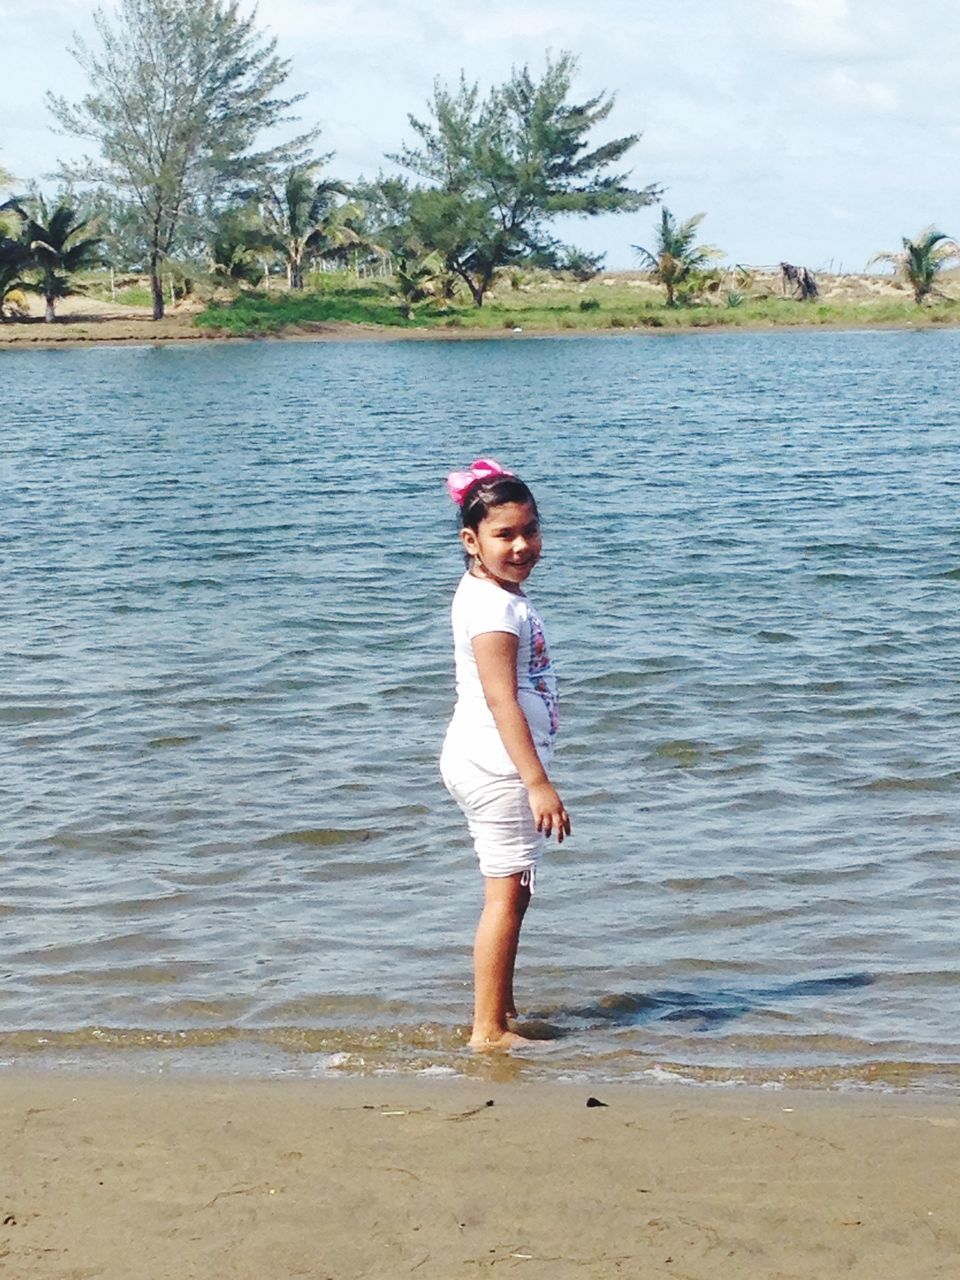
{"points": [[506, 544]]}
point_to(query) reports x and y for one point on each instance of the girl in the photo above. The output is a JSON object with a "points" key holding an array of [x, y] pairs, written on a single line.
{"points": [[500, 741]]}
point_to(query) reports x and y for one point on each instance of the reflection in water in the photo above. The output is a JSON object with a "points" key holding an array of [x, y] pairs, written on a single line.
{"points": [[702, 1010]]}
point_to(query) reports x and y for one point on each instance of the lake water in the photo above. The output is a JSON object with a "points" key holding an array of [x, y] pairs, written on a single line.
{"points": [[227, 670]]}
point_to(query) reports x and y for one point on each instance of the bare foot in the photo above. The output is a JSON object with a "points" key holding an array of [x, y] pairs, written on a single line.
{"points": [[500, 1040]]}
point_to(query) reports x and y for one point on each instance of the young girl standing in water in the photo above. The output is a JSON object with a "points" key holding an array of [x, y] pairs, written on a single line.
{"points": [[499, 744]]}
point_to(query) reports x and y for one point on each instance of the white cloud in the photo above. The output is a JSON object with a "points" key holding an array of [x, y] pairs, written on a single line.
{"points": [[507, 23], [326, 24], [822, 27], [849, 89], [844, 29]]}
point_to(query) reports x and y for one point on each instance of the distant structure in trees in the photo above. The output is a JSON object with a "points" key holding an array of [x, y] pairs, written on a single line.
{"points": [[800, 281]]}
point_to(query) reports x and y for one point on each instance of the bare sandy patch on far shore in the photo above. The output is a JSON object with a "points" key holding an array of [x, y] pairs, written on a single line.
{"points": [[80, 320]]}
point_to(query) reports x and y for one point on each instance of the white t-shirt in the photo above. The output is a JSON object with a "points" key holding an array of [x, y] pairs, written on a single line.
{"points": [[480, 606]]}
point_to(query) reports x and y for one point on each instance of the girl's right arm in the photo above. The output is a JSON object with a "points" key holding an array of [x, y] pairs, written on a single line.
{"points": [[496, 655]]}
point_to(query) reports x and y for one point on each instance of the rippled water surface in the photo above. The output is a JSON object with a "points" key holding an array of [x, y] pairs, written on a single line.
{"points": [[226, 672]]}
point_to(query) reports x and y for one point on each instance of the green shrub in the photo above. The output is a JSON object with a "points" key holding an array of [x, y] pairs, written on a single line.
{"points": [[254, 313], [137, 295]]}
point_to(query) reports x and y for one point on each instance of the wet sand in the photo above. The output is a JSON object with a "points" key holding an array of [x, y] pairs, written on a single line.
{"points": [[205, 1180]]}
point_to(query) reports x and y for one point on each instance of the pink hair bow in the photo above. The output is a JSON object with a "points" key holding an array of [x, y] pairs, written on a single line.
{"points": [[458, 482]]}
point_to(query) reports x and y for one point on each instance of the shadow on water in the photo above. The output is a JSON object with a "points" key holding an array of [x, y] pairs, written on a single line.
{"points": [[701, 1010]]}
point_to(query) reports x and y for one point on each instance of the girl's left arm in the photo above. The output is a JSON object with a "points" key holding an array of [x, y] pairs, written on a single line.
{"points": [[496, 655]]}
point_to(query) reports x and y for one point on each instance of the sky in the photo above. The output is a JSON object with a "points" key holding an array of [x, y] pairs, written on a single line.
{"points": [[817, 132]]}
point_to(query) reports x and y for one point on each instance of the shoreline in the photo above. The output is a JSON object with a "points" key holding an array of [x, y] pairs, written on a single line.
{"points": [[346, 332], [343, 307], [383, 1177]]}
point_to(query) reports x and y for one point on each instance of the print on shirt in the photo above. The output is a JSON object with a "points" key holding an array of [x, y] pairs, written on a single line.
{"points": [[539, 663]]}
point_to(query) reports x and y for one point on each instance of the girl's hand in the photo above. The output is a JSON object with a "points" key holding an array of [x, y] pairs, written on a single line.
{"points": [[548, 811]]}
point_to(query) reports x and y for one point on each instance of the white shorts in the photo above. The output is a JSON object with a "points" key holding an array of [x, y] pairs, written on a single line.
{"points": [[498, 816]]}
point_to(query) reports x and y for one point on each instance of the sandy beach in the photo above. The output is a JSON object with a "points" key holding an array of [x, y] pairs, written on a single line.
{"points": [[204, 1180]]}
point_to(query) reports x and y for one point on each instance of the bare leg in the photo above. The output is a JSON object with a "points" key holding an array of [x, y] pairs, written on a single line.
{"points": [[494, 957], [511, 1002]]}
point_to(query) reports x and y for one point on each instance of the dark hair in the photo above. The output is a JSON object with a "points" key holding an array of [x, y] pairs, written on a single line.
{"points": [[483, 495]]}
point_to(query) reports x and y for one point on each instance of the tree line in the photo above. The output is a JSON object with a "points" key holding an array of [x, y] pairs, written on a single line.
{"points": [[181, 93]]}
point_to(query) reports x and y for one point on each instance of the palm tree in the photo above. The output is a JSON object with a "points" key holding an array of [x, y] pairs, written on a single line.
{"points": [[9, 221], [303, 219], [14, 255], [57, 251], [920, 261], [418, 279], [14, 260], [239, 240], [676, 258]]}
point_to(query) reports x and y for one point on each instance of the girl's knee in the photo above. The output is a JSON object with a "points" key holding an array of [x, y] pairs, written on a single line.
{"points": [[509, 893]]}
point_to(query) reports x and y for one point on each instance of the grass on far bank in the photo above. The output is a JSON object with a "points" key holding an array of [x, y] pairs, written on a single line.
{"points": [[551, 305], [346, 302]]}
